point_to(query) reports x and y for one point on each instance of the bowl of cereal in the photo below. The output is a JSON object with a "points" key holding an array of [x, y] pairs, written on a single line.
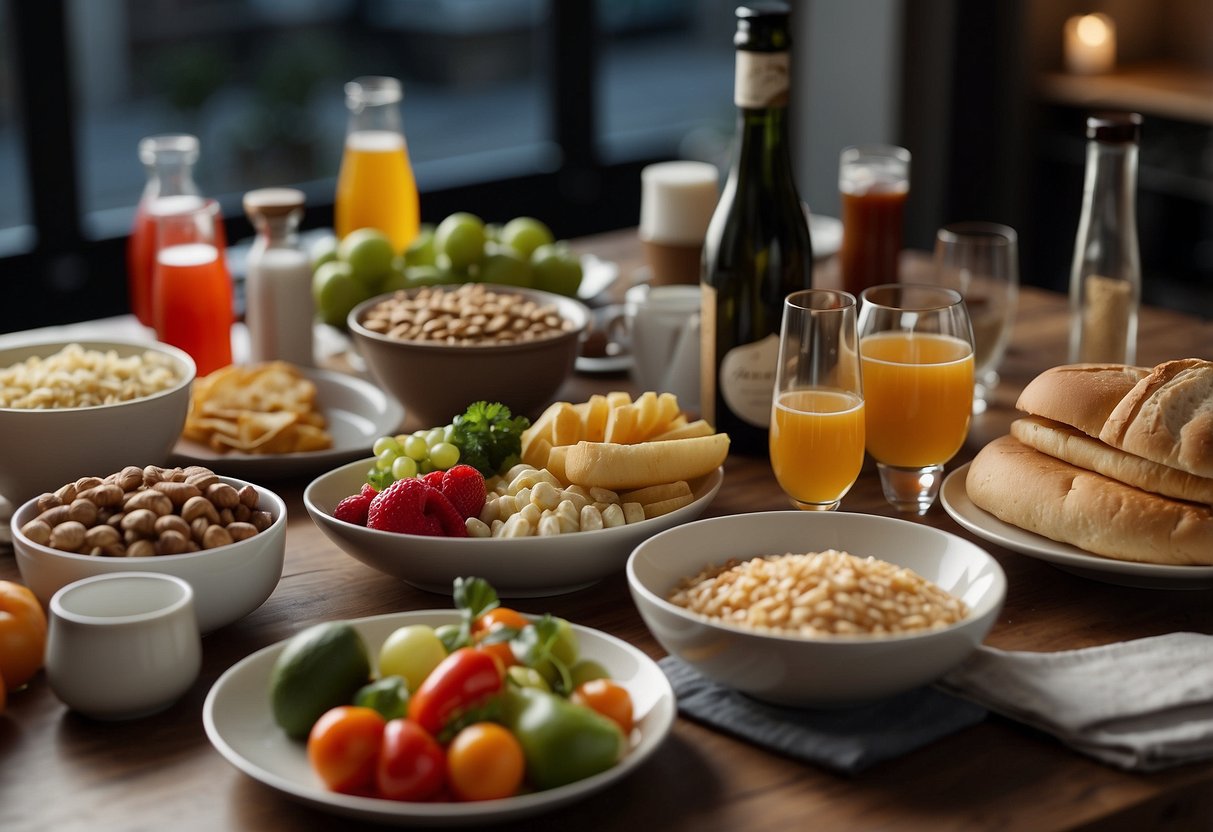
{"points": [[437, 349], [72, 407], [533, 565], [816, 609], [225, 537]]}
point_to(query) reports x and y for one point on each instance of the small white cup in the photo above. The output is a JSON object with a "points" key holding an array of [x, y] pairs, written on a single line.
{"points": [[123, 645], [664, 323]]}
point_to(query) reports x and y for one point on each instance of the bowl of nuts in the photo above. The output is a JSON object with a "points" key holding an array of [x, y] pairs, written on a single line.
{"points": [[437, 349], [67, 406], [816, 609], [226, 537]]}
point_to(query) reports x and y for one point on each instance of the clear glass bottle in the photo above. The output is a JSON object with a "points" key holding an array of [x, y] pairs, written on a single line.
{"points": [[169, 160], [375, 186], [278, 282], [1105, 278], [757, 250]]}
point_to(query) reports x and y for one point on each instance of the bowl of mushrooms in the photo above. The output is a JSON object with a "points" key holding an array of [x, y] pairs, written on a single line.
{"points": [[224, 536]]}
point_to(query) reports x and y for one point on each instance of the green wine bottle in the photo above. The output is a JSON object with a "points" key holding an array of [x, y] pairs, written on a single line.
{"points": [[757, 250]]}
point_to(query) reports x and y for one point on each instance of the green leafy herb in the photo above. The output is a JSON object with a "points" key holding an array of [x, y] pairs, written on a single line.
{"points": [[488, 436], [473, 598], [380, 479], [533, 647]]}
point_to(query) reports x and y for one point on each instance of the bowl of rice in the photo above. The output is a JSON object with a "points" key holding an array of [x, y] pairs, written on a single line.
{"points": [[74, 408], [816, 609]]}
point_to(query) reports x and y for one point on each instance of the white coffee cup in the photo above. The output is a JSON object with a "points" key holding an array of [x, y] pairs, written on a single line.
{"points": [[677, 200], [123, 645], [664, 325]]}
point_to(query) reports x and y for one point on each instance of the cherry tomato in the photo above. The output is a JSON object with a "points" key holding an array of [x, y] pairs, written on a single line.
{"points": [[343, 748], [498, 617], [461, 680], [484, 762], [607, 698], [495, 619], [22, 634], [412, 765]]}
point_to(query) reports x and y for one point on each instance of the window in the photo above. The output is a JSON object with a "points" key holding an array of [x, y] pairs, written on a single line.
{"points": [[541, 107]]}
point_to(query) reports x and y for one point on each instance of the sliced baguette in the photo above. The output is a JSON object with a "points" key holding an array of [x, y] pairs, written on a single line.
{"points": [[1037, 492], [1079, 395]]}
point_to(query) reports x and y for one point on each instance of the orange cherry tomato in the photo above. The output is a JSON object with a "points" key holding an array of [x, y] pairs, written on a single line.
{"points": [[498, 617], [22, 634], [343, 748], [607, 698], [495, 619], [484, 762]]}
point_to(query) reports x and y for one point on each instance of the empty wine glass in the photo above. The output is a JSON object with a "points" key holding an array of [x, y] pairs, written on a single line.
{"points": [[981, 261], [817, 419]]}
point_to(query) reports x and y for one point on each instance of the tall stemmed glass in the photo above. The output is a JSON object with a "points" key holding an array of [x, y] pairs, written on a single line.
{"points": [[817, 421], [981, 261], [916, 350]]}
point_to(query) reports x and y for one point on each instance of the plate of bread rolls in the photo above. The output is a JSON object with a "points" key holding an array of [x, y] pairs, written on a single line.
{"points": [[1108, 474]]}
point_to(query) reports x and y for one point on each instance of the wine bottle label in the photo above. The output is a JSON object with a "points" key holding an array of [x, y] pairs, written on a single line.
{"points": [[761, 80], [747, 380]]}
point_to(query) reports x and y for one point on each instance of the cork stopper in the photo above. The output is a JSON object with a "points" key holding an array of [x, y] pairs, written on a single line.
{"points": [[273, 202], [1114, 128]]}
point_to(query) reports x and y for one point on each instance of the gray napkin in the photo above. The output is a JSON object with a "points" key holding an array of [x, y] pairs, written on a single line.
{"points": [[847, 740], [1144, 704], [6, 515]]}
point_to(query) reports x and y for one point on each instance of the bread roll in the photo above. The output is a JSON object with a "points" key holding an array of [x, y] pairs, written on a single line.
{"points": [[1168, 417], [1037, 492], [1075, 447], [1080, 395]]}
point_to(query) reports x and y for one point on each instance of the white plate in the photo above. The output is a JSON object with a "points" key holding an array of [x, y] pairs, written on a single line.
{"points": [[517, 567], [239, 724], [1062, 555], [357, 411], [826, 235]]}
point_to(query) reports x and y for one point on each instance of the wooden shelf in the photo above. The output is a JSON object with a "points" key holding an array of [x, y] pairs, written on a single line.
{"points": [[1168, 90]]}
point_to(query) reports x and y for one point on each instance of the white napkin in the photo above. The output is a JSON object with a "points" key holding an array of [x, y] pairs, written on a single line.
{"points": [[1144, 704]]}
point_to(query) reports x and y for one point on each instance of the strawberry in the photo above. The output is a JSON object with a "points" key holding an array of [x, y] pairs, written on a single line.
{"points": [[463, 485], [369, 491], [353, 509], [409, 506], [433, 479]]}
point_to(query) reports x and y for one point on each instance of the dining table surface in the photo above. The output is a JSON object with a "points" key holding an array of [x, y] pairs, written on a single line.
{"points": [[61, 771]]}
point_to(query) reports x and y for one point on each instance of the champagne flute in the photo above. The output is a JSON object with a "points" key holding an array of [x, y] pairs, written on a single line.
{"points": [[916, 351], [981, 261], [817, 416]]}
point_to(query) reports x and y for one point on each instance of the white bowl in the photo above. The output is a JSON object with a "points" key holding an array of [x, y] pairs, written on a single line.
{"points": [[831, 671], [229, 581], [517, 568], [42, 449]]}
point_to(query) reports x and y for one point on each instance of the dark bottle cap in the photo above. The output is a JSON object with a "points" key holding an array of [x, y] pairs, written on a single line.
{"points": [[1114, 128], [763, 27]]}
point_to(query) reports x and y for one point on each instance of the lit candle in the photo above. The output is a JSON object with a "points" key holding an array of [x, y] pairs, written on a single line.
{"points": [[1090, 46]]}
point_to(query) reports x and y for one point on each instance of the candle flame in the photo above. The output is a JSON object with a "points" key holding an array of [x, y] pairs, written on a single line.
{"points": [[1092, 30]]}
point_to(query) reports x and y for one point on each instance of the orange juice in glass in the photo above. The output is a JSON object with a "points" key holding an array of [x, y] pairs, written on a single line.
{"points": [[375, 187], [916, 349], [817, 416]]}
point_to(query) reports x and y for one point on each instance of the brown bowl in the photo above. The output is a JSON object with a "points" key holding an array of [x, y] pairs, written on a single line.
{"points": [[437, 381]]}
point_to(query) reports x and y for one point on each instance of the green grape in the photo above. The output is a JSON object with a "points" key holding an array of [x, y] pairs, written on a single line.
{"points": [[433, 436], [447, 433], [444, 455], [384, 443], [404, 467], [379, 479], [416, 448], [426, 466], [384, 459], [461, 238]]}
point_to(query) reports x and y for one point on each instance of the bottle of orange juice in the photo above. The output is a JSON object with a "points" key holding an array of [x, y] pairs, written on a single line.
{"points": [[375, 187]]}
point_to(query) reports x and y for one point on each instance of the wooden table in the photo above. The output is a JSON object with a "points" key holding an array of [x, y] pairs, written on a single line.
{"points": [[59, 771]]}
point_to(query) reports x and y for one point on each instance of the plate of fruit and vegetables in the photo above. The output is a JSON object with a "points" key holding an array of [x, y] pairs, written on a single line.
{"points": [[557, 506], [464, 716]]}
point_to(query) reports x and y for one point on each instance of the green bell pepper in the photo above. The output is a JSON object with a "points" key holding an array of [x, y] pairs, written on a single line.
{"points": [[562, 742]]}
